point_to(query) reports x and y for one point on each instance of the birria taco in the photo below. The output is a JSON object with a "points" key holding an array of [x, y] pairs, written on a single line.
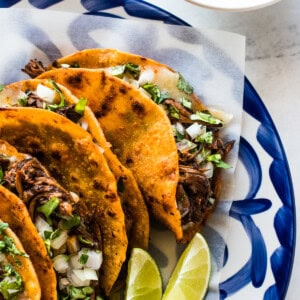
{"points": [[195, 129], [18, 279], [45, 94], [76, 209], [139, 132]]}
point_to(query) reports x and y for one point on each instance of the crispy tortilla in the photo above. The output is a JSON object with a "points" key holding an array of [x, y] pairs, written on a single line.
{"points": [[140, 134], [24, 267], [134, 207], [14, 212], [73, 159]]}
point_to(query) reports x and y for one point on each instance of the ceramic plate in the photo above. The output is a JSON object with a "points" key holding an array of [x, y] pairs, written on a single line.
{"points": [[260, 247], [234, 5]]}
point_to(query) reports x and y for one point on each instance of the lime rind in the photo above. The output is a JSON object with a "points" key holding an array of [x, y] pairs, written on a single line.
{"points": [[144, 279], [191, 275]]}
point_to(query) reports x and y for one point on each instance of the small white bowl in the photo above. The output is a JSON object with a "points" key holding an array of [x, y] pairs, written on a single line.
{"points": [[233, 5]]}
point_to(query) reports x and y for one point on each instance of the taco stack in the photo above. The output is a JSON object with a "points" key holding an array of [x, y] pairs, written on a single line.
{"points": [[194, 129], [99, 141], [36, 93], [76, 209]]}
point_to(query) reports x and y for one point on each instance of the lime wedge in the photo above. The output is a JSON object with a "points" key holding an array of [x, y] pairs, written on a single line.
{"points": [[191, 275], [143, 280]]}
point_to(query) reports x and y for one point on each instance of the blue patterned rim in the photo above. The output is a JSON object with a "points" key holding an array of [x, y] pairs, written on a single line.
{"points": [[281, 260]]}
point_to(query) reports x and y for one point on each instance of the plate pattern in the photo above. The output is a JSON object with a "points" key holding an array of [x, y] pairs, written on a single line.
{"points": [[280, 260]]}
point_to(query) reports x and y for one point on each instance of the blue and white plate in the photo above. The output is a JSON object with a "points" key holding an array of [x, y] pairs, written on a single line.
{"points": [[260, 247]]}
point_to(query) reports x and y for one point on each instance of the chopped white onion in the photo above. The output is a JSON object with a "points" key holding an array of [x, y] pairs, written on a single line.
{"points": [[94, 259], [42, 226], [89, 274], [208, 169], [194, 130], [185, 145], [146, 76], [75, 197], [78, 279], [46, 93], [180, 128], [83, 124], [60, 263], [60, 240], [63, 283], [131, 81], [211, 200], [65, 65], [74, 261]]}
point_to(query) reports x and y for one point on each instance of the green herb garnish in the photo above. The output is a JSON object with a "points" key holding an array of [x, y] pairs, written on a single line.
{"points": [[80, 106], [83, 258], [11, 283], [84, 241], [184, 86], [174, 112], [61, 95], [70, 222], [205, 117], [206, 137], [217, 160], [48, 208], [1, 87], [186, 103], [120, 70]]}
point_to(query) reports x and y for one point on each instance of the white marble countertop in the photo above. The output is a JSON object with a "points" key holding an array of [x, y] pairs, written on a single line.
{"points": [[272, 66]]}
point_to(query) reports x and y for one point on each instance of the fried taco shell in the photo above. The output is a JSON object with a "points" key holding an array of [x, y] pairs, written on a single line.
{"points": [[72, 158], [14, 212], [134, 207], [139, 132], [16, 263]]}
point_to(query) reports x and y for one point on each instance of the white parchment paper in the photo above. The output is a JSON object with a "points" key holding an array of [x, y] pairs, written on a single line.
{"points": [[212, 61]]}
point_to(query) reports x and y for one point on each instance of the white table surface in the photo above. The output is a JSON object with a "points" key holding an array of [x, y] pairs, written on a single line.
{"points": [[272, 66]]}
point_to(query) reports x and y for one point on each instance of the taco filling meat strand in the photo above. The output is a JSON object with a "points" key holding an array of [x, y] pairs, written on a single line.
{"points": [[74, 250]]}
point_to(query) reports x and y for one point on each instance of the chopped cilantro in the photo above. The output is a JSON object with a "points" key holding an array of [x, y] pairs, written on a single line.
{"points": [[184, 86], [23, 101], [186, 103], [11, 283], [61, 95], [205, 117], [120, 70], [84, 241], [206, 137], [80, 106], [3, 226], [80, 292], [48, 208], [83, 258], [174, 112], [156, 95], [70, 222], [217, 159], [1, 87], [1, 175]]}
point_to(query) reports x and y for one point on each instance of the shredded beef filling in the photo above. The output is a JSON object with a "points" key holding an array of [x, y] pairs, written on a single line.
{"points": [[34, 68], [196, 192]]}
